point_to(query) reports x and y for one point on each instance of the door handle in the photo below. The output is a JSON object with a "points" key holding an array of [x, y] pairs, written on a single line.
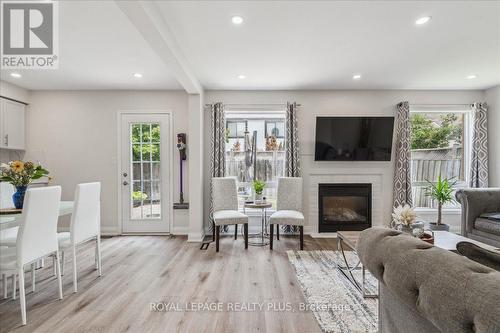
{"points": [[125, 183]]}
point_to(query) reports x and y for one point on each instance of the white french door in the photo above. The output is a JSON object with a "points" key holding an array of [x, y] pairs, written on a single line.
{"points": [[145, 172]]}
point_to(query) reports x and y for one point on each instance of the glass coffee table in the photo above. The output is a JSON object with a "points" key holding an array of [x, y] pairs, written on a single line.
{"points": [[261, 238], [350, 239]]}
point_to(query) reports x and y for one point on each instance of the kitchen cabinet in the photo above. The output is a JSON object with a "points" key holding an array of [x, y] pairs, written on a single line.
{"points": [[12, 125]]}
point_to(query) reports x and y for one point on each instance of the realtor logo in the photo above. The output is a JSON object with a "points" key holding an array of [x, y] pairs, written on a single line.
{"points": [[29, 35]]}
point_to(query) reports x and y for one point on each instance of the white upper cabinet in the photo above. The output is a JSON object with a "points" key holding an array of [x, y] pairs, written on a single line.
{"points": [[12, 125]]}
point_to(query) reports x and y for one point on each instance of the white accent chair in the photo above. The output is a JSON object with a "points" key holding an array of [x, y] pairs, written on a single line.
{"points": [[225, 203], [288, 208], [85, 226], [36, 239]]}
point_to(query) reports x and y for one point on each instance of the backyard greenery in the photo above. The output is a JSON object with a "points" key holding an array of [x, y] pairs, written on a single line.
{"points": [[430, 133]]}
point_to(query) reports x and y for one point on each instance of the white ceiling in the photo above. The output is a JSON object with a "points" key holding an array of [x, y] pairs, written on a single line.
{"points": [[282, 45], [99, 49]]}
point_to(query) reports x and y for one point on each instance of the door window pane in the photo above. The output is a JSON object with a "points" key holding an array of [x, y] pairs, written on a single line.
{"points": [[146, 180]]}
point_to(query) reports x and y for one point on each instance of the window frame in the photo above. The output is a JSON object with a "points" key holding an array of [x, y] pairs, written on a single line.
{"points": [[466, 147], [274, 121]]}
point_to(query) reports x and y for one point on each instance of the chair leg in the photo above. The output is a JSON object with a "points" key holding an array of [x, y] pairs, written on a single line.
{"points": [[301, 228], [235, 231], [14, 287], [33, 266], [62, 263], [217, 237], [99, 261], [22, 295], [73, 254], [245, 231], [271, 236], [95, 255], [59, 278], [278, 232], [213, 231], [4, 282]]}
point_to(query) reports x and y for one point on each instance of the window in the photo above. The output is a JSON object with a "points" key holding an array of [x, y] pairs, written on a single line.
{"points": [[439, 146], [269, 127]]}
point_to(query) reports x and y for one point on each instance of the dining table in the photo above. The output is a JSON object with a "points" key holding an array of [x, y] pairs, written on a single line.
{"points": [[14, 220]]}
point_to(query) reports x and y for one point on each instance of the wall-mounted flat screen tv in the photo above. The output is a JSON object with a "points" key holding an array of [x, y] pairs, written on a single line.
{"points": [[353, 138]]}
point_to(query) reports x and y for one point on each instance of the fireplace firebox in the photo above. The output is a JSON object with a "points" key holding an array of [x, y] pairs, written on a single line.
{"points": [[344, 207]]}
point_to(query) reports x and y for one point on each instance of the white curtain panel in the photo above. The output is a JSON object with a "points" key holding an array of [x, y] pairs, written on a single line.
{"points": [[402, 172], [292, 152], [217, 147], [479, 153]]}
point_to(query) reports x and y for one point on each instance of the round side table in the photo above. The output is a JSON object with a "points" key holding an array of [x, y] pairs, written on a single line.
{"points": [[261, 238]]}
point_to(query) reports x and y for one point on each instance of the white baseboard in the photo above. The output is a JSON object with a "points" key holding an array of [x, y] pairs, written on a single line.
{"points": [[324, 235], [107, 230], [180, 230], [195, 237]]}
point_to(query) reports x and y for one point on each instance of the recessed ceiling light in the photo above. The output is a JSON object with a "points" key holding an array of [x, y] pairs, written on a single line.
{"points": [[356, 76], [422, 20], [237, 20], [16, 75], [242, 77], [138, 75], [472, 76]]}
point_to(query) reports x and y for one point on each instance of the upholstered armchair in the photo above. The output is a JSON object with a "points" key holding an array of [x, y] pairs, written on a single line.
{"points": [[225, 202], [475, 203], [288, 208]]}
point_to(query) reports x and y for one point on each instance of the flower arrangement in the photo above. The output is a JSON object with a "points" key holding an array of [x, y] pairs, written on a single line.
{"points": [[404, 216], [20, 174]]}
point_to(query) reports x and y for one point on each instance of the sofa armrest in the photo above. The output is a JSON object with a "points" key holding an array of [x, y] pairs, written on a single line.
{"points": [[476, 201]]}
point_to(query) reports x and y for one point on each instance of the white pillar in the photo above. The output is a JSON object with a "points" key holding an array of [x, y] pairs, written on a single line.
{"points": [[195, 173]]}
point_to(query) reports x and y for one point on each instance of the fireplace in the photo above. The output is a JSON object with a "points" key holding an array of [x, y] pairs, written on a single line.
{"points": [[344, 207]]}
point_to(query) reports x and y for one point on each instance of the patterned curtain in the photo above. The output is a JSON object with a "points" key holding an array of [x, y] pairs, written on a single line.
{"points": [[217, 147], [479, 158], [402, 173], [292, 158]]}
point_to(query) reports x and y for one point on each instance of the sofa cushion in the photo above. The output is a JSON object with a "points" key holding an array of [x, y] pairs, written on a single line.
{"points": [[491, 216], [487, 225], [479, 254]]}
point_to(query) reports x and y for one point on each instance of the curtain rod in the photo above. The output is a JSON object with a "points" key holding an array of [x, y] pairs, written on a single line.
{"points": [[254, 104], [468, 104]]}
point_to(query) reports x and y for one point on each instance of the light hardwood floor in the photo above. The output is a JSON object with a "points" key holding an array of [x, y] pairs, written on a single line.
{"points": [[139, 270]]}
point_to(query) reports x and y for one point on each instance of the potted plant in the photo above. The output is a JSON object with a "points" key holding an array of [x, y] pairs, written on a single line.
{"points": [[442, 192], [258, 188], [20, 174]]}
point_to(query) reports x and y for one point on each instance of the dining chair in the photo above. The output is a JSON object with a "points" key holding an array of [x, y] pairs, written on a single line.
{"points": [[288, 208], [7, 236], [225, 204], [36, 239], [85, 226]]}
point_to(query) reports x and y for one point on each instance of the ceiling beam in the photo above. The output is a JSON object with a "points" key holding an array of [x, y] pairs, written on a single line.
{"points": [[147, 19]]}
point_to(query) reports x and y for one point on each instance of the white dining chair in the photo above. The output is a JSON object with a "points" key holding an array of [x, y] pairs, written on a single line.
{"points": [[7, 236], [288, 208], [85, 226], [36, 239], [225, 203]]}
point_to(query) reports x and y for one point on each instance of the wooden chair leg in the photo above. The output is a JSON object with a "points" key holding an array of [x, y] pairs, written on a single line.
{"points": [[213, 231], [217, 236], [301, 228], [235, 231], [278, 232], [271, 232], [245, 231]]}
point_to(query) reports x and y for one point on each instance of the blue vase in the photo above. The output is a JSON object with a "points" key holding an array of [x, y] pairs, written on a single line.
{"points": [[18, 197]]}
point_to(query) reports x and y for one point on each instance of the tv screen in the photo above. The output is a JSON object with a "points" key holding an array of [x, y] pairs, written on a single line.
{"points": [[353, 138]]}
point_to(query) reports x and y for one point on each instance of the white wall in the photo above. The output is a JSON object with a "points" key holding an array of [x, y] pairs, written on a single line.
{"points": [[492, 98], [338, 102], [75, 134]]}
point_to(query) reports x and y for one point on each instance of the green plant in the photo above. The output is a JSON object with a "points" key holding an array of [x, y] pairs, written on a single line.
{"points": [[427, 133], [442, 192], [258, 186], [138, 195]]}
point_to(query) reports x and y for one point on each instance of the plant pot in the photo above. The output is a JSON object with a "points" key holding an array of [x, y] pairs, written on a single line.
{"points": [[18, 197], [439, 227]]}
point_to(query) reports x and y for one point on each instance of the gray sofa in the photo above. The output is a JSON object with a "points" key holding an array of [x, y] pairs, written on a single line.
{"points": [[425, 289], [477, 201]]}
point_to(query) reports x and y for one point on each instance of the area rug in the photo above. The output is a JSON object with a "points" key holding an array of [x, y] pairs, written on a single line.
{"points": [[337, 305]]}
